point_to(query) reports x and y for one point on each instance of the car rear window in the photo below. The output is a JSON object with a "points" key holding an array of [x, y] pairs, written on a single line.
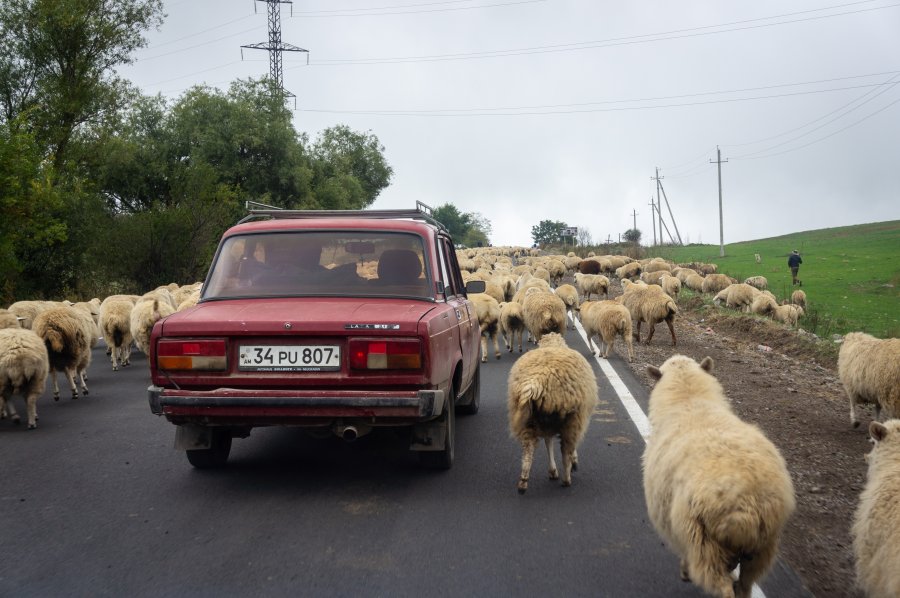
{"points": [[320, 263]]}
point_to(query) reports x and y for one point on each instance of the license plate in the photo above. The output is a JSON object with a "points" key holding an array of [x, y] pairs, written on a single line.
{"points": [[291, 358]]}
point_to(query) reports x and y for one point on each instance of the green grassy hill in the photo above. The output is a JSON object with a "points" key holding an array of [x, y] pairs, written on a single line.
{"points": [[851, 274]]}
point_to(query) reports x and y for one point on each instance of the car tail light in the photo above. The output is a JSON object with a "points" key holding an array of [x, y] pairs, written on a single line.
{"points": [[194, 354], [387, 354]]}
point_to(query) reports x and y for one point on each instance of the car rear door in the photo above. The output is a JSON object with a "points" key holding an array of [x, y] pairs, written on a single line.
{"points": [[467, 319]]}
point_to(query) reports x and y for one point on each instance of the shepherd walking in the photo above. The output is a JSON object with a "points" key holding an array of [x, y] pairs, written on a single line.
{"points": [[794, 261]]}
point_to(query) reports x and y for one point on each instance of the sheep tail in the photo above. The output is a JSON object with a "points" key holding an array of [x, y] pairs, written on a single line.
{"points": [[528, 392], [55, 340], [708, 562], [672, 308], [155, 316], [118, 337]]}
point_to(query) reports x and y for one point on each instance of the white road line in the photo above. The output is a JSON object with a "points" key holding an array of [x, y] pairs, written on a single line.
{"points": [[641, 422]]}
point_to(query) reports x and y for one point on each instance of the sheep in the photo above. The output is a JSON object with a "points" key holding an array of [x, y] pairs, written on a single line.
{"points": [[190, 300], [607, 319], [760, 282], [519, 296], [68, 345], [27, 311], [512, 323], [569, 296], [694, 282], [552, 392], [115, 325], [544, 312], [657, 265], [876, 523], [717, 490], [739, 295], [631, 270], [649, 304], [488, 310], [589, 266], [24, 365], [765, 305], [758, 258], [557, 270], [670, 285], [543, 274], [144, 316], [869, 369], [682, 273], [8, 319], [798, 297], [713, 283], [653, 277], [590, 284]]}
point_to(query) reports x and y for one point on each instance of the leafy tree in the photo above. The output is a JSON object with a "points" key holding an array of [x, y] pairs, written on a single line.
{"points": [[547, 232], [468, 228], [58, 61], [632, 235], [350, 169]]}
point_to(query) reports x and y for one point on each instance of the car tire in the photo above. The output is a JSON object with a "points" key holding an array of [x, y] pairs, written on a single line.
{"points": [[214, 456], [443, 459], [472, 398]]}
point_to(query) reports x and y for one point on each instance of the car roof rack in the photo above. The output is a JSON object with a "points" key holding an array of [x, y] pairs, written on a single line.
{"points": [[260, 210]]}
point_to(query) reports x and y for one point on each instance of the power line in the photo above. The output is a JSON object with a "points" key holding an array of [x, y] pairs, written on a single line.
{"points": [[370, 12], [275, 46], [612, 42]]}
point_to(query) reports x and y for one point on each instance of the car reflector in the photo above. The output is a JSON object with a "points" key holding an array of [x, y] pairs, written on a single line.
{"points": [[392, 354]]}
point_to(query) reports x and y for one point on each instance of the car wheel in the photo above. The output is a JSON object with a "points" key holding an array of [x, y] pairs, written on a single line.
{"points": [[443, 459], [214, 456], [472, 398]]}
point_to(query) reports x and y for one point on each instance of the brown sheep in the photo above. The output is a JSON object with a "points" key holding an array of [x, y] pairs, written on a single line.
{"points": [[68, 345]]}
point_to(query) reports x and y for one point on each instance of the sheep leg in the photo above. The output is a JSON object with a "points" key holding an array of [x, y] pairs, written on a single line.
{"points": [[31, 399], [671, 326], [520, 333], [70, 376], [55, 385], [483, 348], [553, 471], [854, 400], [567, 448], [627, 338], [637, 332], [752, 569], [527, 459], [82, 376], [6, 406], [496, 346], [877, 411], [652, 328], [114, 356], [607, 346]]}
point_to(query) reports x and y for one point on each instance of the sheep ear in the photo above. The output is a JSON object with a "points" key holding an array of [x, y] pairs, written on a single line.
{"points": [[878, 431], [707, 364], [654, 372]]}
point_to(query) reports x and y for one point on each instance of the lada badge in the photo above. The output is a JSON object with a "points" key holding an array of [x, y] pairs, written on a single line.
{"points": [[287, 325]]}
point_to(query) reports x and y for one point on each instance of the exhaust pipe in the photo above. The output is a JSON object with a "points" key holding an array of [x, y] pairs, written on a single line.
{"points": [[348, 433]]}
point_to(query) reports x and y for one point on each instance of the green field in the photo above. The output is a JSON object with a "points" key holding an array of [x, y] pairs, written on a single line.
{"points": [[851, 274]]}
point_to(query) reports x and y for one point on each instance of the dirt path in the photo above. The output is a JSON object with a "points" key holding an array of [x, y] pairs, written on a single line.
{"points": [[801, 407]]}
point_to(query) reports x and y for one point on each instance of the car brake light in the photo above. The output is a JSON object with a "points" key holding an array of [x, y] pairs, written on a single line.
{"points": [[388, 354], [194, 354]]}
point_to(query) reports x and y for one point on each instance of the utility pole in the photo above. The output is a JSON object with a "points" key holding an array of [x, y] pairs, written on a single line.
{"points": [[635, 215], [275, 47], [653, 216], [663, 189], [721, 226], [658, 205]]}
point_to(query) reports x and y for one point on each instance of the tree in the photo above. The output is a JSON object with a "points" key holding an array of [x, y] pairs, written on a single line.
{"points": [[584, 237], [470, 228], [632, 235], [58, 61], [547, 232], [350, 169]]}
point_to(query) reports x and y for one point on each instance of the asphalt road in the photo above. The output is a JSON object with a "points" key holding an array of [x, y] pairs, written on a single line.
{"points": [[96, 502]]}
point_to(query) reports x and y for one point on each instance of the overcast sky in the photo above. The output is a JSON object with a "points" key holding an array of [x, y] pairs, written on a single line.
{"points": [[535, 110]]}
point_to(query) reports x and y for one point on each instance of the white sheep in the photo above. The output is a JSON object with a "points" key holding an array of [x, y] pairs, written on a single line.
{"points": [[607, 319], [512, 323], [569, 296], [670, 285], [544, 312], [591, 284], [488, 310], [869, 369], [717, 490], [115, 326], [68, 343], [765, 304], [798, 297], [146, 313], [552, 391], [876, 523], [8, 319], [648, 303], [759, 282], [24, 366], [694, 282], [738, 295], [713, 283], [631, 270]]}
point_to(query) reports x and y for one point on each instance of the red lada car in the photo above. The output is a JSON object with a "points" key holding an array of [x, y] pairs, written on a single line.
{"points": [[336, 321]]}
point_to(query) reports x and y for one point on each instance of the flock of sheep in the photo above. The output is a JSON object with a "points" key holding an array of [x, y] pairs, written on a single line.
{"points": [[717, 490], [40, 338]]}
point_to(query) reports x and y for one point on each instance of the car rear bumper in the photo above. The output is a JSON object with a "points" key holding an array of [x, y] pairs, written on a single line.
{"points": [[265, 407]]}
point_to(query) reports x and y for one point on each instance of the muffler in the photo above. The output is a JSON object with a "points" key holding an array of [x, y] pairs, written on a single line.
{"points": [[349, 433]]}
